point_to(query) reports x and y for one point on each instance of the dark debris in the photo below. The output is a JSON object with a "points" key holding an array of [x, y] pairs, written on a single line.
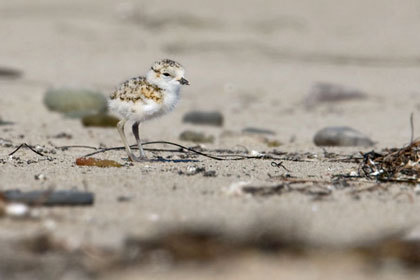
{"points": [[393, 165]]}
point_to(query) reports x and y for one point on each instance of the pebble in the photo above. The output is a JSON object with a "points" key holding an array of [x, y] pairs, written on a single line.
{"points": [[210, 173], [6, 143], [63, 135], [9, 73], [326, 93], [75, 103], [256, 130], [17, 210], [100, 120], [204, 118], [40, 176], [192, 170], [196, 137], [341, 136], [2, 122]]}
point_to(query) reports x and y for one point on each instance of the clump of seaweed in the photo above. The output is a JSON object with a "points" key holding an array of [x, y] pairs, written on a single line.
{"points": [[393, 165]]}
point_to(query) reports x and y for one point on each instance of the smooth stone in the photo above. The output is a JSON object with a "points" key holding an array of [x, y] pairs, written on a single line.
{"points": [[326, 92], [196, 137], [9, 73], [5, 122], [341, 136], [100, 120], [75, 103], [206, 118], [255, 130]]}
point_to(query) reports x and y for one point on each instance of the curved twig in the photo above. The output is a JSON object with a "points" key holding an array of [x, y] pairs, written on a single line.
{"points": [[221, 157]]}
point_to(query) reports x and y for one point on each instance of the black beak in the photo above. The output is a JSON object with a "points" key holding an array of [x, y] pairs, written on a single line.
{"points": [[184, 81]]}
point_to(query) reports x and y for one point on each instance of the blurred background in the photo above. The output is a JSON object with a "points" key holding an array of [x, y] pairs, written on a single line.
{"points": [[254, 61], [283, 68]]}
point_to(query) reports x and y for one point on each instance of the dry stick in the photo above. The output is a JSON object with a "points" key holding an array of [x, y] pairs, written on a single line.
{"points": [[26, 145], [278, 165], [50, 197], [174, 144], [412, 127], [219, 157], [76, 146], [177, 145]]}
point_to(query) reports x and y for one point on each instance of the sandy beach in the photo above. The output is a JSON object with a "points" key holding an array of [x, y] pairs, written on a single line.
{"points": [[255, 63]]}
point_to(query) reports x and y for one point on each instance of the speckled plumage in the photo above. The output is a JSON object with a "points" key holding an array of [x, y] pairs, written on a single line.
{"points": [[137, 90], [144, 98]]}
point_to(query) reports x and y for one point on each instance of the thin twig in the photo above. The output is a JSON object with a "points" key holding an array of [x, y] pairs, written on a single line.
{"points": [[412, 127], [77, 146], [163, 142], [278, 165], [220, 157], [26, 145]]}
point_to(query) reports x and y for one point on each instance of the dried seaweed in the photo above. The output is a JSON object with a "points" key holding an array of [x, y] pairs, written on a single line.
{"points": [[393, 165], [103, 163]]}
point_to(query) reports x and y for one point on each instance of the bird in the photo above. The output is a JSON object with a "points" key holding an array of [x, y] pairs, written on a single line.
{"points": [[147, 97]]}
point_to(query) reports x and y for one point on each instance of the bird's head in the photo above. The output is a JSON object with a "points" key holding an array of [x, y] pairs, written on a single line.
{"points": [[167, 74]]}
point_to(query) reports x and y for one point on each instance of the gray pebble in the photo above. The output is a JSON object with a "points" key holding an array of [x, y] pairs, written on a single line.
{"points": [[75, 103], [204, 118], [197, 137], [6, 143], [5, 122], [341, 136], [325, 93], [10, 73], [209, 173], [255, 130]]}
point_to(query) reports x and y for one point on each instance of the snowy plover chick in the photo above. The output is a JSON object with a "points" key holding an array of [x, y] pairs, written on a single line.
{"points": [[143, 98]]}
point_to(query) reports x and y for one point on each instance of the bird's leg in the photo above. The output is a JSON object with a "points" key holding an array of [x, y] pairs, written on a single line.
{"points": [[135, 128], [120, 127]]}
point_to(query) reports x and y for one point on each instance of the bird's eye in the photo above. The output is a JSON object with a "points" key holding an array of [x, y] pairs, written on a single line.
{"points": [[166, 74]]}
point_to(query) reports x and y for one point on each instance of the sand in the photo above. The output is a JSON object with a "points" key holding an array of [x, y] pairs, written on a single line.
{"points": [[254, 62]]}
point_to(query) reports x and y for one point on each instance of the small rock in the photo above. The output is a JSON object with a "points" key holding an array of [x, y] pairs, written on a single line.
{"points": [[272, 143], [10, 73], [206, 118], [5, 122], [193, 170], [123, 198], [63, 135], [326, 93], [40, 176], [255, 130], [341, 136], [17, 210], [196, 137], [256, 154], [6, 143], [75, 103], [100, 120], [209, 173]]}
